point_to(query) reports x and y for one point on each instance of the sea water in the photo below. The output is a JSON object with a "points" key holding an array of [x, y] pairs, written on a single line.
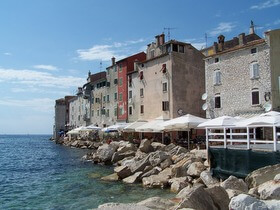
{"points": [[36, 173]]}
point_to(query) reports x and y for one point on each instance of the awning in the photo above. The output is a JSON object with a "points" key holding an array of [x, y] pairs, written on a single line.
{"points": [[134, 125]]}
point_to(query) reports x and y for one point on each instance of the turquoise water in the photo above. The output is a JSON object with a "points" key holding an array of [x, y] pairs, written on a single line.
{"points": [[35, 173]]}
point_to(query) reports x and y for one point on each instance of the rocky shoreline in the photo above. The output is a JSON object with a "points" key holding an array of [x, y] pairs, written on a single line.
{"points": [[186, 173]]}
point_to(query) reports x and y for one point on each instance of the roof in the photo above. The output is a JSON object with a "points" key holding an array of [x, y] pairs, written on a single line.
{"points": [[130, 57], [97, 76]]}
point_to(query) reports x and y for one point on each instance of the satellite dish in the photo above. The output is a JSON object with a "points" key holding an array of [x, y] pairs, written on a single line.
{"points": [[204, 96], [204, 106], [267, 107]]}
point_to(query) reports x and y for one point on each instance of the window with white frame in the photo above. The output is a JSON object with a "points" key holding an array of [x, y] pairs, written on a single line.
{"points": [[254, 70], [142, 109], [218, 101], [164, 86], [217, 77], [255, 96]]}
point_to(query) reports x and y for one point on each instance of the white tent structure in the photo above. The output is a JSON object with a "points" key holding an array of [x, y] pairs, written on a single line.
{"points": [[116, 127], [154, 126], [134, 125], [224, 121], [93, 127], [183, 123]]}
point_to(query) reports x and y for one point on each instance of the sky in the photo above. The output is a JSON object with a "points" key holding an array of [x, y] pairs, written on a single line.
{"points": [[47, 47]]}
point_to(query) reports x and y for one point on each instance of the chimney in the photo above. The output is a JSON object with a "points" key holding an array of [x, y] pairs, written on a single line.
{"points": [[252, 28], [215, 47], [221, 42], [241, 39], [113, 61], [161, 39]]}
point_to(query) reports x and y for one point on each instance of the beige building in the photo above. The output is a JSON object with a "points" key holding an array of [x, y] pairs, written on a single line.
{"points": [[169, 83], [243, 75]]}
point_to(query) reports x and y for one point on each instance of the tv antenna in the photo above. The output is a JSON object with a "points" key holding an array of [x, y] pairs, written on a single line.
{"points": [[100, 66], [206, 39], [168, 31]]}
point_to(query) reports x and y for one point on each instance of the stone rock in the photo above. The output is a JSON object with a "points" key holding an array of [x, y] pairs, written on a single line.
{"points": [[117, 156], [153, 171], [140, 164], [206, 163], [177, 150], [133, 178], [177, 158], [166, 163], [139, 155], [122, 206], [169, 147], [208, 180], [111, 177], [272, 204], [158, 146], [160, 180], [232, 193], [105, 152], [184, 192], [235, 184], [195, 169], [83, 147], [123, 171], [177, 184], [128, 161], [180, 169], [277, 177], [246, 202], [199, 153], [197, 181], [157, 157], [262, 175], [157, 203], [253, 192], [269, 190], [198, 199], [219, 196], [145, 146], [75, 143], [127, 148]]}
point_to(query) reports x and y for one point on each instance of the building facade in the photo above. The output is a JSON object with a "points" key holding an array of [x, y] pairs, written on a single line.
{"points": [[242, 75], [169, 83]]}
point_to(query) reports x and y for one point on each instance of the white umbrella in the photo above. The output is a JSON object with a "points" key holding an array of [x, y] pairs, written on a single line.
{"points": [[93, 127], [224, 121], [116, 127], [266, 119], [154, 126], [134, 125], [183, 123]]}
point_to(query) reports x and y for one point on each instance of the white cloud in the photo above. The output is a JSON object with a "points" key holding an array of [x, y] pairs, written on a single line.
{"points": [[266, 4], [7, 53], [39, 79], [39, 90], [106, 52], [222, 28], [46, 67], [38, 104], [199, 45]]}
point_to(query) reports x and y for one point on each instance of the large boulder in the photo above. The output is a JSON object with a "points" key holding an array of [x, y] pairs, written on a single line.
{"points": [[160, 180], [133, 178], [139, 155], [123, 171], [219, 197], [177, 150], [153, 171], [166, 163], [198, 199], [232, 193], [75, 143], [105, 152], [246, 202], [158, 146], [195, 169], [180, 169], [111, 177], [145, 146], [157, 203], [169, 147], [208, 180], [177, 184], [117, 156], [127, 148], [235, 184], [157, 157], [140, 164], [262, 175], [269, 190], [199, 153]]}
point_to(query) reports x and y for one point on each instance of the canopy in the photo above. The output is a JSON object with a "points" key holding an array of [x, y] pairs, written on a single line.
{"points": [[154, 126], [116, 127], [93, 127], [271, 118], [77, 130], [134, 125], [185, 122], [224, 121]]}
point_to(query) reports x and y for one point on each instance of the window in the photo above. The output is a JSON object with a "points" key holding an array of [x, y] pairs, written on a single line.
{"points": [[181, 49], [130, 94], [217, 60], [121, 111], [120, 97], [115, 68], [98, 112], [108, 98], [92, 113], [115, 81], [129, 80], [92, 100], [130, 110], [79, 117], [141, 92], [217, 77], [164, 86], [116, 111], [255, 97], [107, 113], [142, 109], [152, 53], [165, 105], [97, 100], [108, 84], [217, 101], [175, 47], [120, 67], [253, 50], [120, 82], [116, 96], [104, 98], [254, 70]]}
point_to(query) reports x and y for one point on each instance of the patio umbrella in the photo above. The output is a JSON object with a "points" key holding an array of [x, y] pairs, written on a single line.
{"points": [[224, 121], [93, 127], [134, 125], [116, 127], [183, 123], [154, 126]]}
